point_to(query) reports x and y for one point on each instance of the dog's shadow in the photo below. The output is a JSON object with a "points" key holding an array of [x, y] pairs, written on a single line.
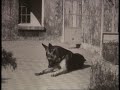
{"points": [[84, 67]]}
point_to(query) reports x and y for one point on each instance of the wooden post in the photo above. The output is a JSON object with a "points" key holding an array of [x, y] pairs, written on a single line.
{"points": [[113, 17], [81, 21], [43, 13], [102, 27], [63, 31]]}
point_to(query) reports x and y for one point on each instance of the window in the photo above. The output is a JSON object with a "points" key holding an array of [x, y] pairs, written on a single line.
{"points": [[24, 13]]}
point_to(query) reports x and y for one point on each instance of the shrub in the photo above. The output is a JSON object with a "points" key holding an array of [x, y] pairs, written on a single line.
{"points": [[104, 75], [8, 59], [110, 52]]}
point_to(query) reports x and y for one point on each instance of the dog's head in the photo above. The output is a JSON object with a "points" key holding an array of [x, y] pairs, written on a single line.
{"points": [[51, 54]]}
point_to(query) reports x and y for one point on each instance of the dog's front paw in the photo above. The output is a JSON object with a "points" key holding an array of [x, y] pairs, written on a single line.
{"points": [[53, 75]]}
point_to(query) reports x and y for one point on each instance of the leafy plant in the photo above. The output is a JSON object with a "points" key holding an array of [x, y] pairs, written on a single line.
{"points": [[104, 75], [8, 59], [111, 52]]}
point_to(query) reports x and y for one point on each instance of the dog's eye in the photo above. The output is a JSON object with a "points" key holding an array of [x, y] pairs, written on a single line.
{"points": [[53, 51]]}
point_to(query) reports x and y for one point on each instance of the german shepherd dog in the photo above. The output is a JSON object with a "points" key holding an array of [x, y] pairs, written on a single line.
{"points": [[61, 60]]}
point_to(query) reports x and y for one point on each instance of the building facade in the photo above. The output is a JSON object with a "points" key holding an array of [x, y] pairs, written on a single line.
{"points": [[74, 21]]}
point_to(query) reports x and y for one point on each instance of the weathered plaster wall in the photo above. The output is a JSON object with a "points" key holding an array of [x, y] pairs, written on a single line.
{"points": [[91, 21], [111, 14], [9, 19], [53, 18]]}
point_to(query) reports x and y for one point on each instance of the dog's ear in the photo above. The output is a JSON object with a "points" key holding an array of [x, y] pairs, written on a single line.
{"points": [[50, 45], [44, 46]]}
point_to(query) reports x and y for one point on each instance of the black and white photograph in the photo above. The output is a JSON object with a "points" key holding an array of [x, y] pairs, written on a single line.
{"points": [[60, 44]]}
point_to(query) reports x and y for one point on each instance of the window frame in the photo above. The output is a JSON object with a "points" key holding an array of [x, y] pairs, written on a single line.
{"points": [[24, 17]]}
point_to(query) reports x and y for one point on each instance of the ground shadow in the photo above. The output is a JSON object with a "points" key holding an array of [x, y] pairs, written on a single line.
{"points": [[84, 67], [4, 80]]}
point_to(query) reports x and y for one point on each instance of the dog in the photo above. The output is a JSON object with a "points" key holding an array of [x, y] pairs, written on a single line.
{"points": [[61, 60]]}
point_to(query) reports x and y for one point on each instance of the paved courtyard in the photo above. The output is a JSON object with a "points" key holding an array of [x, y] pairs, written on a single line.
{"points": [[31, 58]]}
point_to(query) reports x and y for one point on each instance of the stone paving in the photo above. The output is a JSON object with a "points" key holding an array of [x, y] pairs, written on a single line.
{"points": [[31, 59]]}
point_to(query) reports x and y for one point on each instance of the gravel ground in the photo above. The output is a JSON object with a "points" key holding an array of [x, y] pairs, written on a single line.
{"points": [[31, 59]]}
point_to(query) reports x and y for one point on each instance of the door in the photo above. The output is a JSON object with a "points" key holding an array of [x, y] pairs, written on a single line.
{"points": [[73, 21]]}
